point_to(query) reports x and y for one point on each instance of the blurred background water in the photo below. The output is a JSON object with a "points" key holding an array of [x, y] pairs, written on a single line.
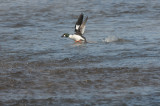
{"points": [[120, 67]]}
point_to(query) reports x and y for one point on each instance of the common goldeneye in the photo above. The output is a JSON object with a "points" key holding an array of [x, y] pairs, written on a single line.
{"points": [[79, 30]]}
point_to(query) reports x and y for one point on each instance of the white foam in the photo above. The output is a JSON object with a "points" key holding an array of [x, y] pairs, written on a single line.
{"points": [[111, 39]]}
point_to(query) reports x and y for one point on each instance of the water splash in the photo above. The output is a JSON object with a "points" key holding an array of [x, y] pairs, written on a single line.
{"points": [[111, 39]]}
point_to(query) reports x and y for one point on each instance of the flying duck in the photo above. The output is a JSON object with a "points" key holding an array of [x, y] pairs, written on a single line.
{"points": [[79, 30]]}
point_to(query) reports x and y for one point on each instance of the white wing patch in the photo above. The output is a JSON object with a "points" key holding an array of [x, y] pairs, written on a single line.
{"points": [[77, 27]]}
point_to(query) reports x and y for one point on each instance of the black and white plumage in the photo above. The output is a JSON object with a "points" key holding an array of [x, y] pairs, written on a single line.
{"points": [[79, 30]]}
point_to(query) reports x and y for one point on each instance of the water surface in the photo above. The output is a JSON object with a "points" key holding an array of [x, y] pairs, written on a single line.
{"points": [[120, 67]]}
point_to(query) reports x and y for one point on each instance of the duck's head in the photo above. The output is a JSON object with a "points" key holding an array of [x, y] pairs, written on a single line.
{"points": [[65, 35]]}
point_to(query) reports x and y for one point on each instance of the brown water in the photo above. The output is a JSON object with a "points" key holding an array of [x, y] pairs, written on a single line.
{"points": [[120, 68]]}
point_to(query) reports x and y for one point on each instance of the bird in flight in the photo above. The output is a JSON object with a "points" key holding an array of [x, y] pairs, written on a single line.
{"points": [[79, 30]]}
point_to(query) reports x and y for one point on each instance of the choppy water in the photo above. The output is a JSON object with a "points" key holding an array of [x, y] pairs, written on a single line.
{"points": [[120, 67]]}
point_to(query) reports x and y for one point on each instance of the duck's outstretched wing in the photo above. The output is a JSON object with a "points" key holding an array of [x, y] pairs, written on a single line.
{"points": [[83, 26], [78, 23]]}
